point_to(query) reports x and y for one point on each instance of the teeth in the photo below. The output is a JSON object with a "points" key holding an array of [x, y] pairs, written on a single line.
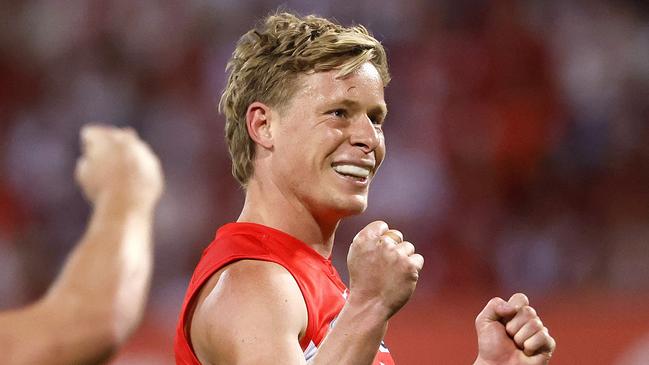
{"points": [[352, 170]]}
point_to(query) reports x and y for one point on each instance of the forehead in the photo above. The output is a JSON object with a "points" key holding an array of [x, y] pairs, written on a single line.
{"points": [[363, 85]]}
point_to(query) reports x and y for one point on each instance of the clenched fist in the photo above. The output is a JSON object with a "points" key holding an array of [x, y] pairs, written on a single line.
{"points": [[511, 333], [118, 166], [383, 268]]}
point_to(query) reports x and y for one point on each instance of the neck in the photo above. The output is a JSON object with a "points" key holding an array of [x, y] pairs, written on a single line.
{"points": [[265, 204]]}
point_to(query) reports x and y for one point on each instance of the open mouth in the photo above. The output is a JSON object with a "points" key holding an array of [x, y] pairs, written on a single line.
{"points": [[357, 173]]}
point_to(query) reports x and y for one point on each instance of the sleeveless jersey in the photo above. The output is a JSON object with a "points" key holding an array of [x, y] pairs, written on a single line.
{"points": [[323, 291]]}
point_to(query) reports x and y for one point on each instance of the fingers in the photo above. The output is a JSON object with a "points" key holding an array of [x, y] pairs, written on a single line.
{"points": [[495, 310], [523, 316], [395, 235], [393, 238], [527, 330], [94, 133], [96, 138], [506, 310], [405, 248], [519, 300], [417, 261], [540, 343], [529, 333], [116, 162], [380, 230], [373, 230]]}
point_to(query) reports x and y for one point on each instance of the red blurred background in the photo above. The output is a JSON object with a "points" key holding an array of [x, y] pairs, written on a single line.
{"points": [[517, 155]]}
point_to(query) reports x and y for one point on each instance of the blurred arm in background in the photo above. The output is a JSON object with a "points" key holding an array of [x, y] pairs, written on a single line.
{"points": [[98, 299]]}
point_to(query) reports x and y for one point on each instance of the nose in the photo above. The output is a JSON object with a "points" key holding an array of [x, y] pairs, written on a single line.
{"points": [[365, 135]]}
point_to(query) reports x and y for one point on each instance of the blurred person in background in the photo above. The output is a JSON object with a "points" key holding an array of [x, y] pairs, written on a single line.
{"points": [[305, 109], [99, 297]]}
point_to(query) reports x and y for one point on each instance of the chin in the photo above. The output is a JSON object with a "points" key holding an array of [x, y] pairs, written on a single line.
{"points": [[336, 206], [352, 206]]}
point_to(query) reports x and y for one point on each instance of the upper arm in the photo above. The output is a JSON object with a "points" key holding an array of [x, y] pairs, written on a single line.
{"points": [[250, 312]]}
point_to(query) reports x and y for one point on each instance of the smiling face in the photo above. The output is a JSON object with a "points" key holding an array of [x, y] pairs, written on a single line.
{"points": [[329, 142]]}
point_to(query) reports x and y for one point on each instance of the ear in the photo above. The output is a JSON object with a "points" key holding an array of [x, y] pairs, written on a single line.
{"points": [[258, 120]]}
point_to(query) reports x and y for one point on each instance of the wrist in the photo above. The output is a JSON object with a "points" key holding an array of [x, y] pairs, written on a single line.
{"points": [[366, 317], [122, 202], [371, 306], [480, 361]]}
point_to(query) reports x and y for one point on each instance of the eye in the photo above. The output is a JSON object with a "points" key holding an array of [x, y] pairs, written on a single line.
{"points": [[376, 120], [339, 113]]}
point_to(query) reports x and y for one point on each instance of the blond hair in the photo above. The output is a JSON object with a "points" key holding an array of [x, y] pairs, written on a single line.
{"points": [[267, 60]]}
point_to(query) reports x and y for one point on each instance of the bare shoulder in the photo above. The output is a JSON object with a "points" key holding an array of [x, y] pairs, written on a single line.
{"points": [[248, 305]]}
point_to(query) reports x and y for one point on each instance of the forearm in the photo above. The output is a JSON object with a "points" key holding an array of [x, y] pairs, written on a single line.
{"points": [[356, 337], [41, 334], [105, 281], [99, 296]]}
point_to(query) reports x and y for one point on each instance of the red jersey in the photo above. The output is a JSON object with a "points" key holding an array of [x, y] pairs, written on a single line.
{"points": [[323, 291]]}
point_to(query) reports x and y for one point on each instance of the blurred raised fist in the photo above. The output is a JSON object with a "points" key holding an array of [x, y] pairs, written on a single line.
{"points": [[117, 165]]}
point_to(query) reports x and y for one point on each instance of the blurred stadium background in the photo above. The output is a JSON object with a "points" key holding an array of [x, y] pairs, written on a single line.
{"points": [[518, 155]]}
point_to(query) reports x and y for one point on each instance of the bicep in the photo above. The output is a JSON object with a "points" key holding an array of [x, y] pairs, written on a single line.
{"points": [[250, 313]]}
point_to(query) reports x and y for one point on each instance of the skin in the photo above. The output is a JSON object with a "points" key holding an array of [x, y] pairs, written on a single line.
{"points": [[98, 299], [511, 333], [252, 312]]}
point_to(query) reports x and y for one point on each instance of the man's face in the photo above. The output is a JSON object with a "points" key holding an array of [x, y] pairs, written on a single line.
{"points": [[329, 142]]}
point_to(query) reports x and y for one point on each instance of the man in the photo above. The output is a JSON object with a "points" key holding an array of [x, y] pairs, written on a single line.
{"points": [[98, 299], [304, 107]]}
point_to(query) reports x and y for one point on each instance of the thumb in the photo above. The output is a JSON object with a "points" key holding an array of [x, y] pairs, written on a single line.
{"points": [[373, 230], [490, 323], [493, 341], [496, 310]]}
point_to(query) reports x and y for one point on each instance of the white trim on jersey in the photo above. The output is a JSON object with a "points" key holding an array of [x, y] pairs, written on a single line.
{"points": [[310, 351]]}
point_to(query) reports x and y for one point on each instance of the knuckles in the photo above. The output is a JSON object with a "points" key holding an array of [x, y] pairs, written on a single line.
{"points": [[375, 229], [536, 324], [113, 154], [495, 301], [520, 299], [529, 312]]}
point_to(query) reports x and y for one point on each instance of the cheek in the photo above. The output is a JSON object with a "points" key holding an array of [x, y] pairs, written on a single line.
{"points": [[326, 141]]}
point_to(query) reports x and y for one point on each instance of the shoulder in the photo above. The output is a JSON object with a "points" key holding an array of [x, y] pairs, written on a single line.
{"points": [[251, 277], [244, 301]]}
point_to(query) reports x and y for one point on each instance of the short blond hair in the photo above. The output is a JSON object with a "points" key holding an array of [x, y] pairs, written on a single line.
{"points": [[267, 60]]}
